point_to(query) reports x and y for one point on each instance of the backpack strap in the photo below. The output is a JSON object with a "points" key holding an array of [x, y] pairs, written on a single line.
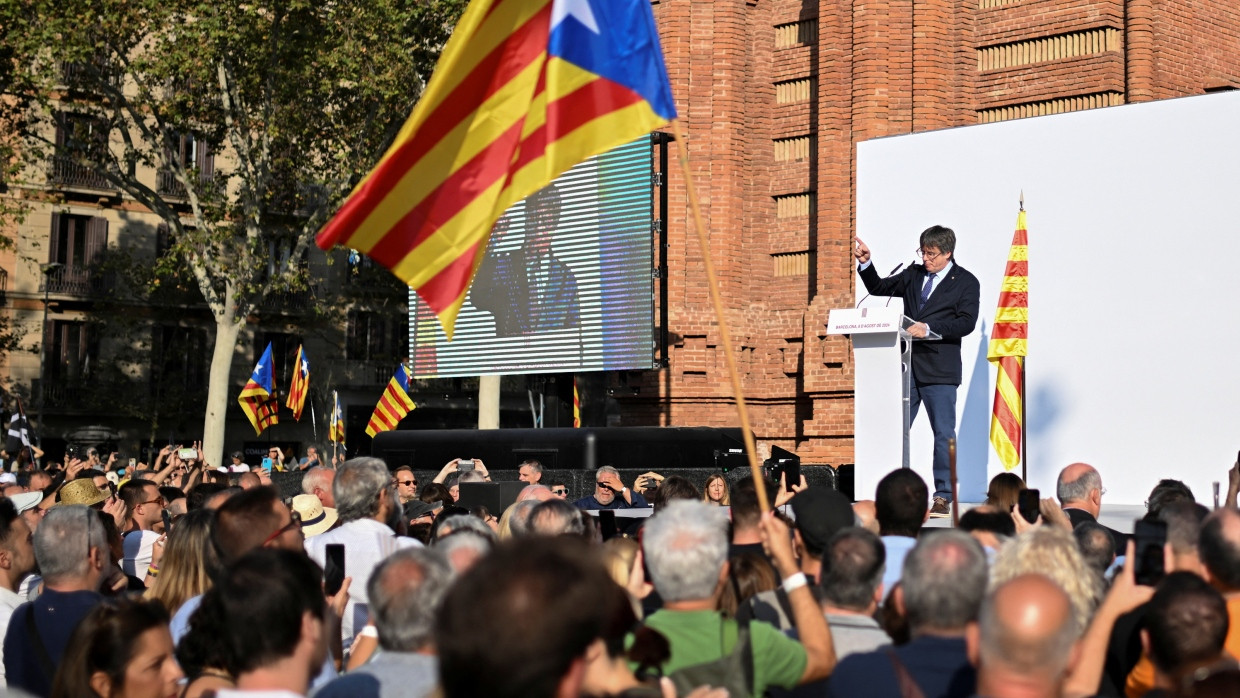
{"points": [[908, 687], [744, 646], [36, 642]]}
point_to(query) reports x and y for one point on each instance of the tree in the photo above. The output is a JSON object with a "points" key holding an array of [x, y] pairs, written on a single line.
{"points": [[296, 98]]}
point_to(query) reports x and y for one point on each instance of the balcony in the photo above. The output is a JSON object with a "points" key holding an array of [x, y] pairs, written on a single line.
{"points": [[166, 185], [355, 373], [67, 172], [74, 280]]}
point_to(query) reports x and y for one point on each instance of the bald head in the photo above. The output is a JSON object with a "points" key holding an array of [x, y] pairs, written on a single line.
{"points": [[538, 493], [1027, 630], [1080, 486]]}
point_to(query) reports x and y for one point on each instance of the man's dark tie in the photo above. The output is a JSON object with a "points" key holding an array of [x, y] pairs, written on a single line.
{"points": [[925, 290]]}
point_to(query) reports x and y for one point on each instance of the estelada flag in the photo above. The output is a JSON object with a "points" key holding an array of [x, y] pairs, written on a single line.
{"points": [[335, 426], [393, 405], [1008, 348], [258, 398], [301, 384], [523, 90]]}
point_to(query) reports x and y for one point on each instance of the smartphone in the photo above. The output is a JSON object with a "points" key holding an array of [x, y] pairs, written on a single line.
{"points": [[333, 570], [267, 462], [167, 521], [1029, 504], [1149, 537], [187, 454], [607, 523], [792, 474], [133, 462], [465, 464]]}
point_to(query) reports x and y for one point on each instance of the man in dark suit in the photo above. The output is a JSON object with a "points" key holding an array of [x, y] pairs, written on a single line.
{"points": [[528, 289], [1080, 491], [940, 296]]}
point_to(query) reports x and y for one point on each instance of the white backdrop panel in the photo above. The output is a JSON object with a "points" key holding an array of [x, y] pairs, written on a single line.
{"points": [[1132, 247]]}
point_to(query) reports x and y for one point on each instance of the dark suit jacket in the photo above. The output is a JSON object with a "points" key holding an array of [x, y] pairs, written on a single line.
{"points": [[1080, 516], [504, 287], [951, 311]]}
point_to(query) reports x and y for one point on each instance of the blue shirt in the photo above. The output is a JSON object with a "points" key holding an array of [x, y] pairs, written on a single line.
{"points": [[939, 665], [56, 615]]}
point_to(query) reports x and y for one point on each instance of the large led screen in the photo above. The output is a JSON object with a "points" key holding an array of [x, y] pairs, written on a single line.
{"points": [[567, 283]]}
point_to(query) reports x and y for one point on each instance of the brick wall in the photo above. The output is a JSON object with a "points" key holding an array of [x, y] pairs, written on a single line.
{"points": [[774, 94]]}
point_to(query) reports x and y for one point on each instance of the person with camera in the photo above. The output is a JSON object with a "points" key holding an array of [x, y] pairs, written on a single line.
{"points": [[461, 465], [610, 493]]}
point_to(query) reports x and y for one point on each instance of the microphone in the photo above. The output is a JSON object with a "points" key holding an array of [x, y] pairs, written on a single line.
{"points": [[890, 274]]}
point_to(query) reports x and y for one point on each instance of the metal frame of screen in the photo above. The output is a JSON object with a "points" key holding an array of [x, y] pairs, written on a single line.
{"points": [[568, 281]]}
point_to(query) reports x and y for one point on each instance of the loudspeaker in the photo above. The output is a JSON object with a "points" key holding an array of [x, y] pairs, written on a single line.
{"points": [[495, 496]]}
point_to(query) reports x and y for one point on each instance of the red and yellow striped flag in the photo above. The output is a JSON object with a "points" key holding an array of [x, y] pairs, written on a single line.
{"points": [[576, 405], [1008, 350], [523, 90], [393, 405], [300, 385]]}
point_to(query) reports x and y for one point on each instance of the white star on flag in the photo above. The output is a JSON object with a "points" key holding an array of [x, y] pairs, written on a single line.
{"points": [[562, 9]]}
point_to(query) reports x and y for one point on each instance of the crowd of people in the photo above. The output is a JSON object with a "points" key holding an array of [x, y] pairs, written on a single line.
{"points": [[181, 580]]}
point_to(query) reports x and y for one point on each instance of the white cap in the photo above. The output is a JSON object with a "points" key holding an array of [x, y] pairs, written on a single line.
{"points": [[8, 479], [25, 501]]}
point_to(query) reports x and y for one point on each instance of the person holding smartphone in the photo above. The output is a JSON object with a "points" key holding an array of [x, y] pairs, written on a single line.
{"points": [[610, 493]]}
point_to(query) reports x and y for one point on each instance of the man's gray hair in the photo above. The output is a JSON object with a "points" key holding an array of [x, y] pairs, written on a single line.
{"points": [[607, 469], [357, 487], [464, 539], [685, 546], [519, 520], [472, 476], [1078, 489], [466, 522], [63, 540], [944, 579], [534, 465], [556, 517], [318, 476], [406, 591], [853, 566]]}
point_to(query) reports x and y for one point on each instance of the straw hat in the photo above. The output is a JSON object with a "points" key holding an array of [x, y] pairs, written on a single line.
{"points": [[315, 518], [82, 491]]}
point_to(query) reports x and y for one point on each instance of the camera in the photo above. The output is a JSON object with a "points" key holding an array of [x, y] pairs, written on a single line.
{"points": [[465, 464], [73, 451]]}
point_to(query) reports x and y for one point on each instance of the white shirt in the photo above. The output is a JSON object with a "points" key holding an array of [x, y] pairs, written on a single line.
{"points": [[138, 547], [8, 602], [366, 543]]}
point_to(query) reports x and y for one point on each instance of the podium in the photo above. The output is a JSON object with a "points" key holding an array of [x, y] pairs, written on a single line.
{"points": [[882, 362]]}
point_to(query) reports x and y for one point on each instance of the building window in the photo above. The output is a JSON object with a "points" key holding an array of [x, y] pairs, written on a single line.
{"points": [[195, 154], [283, 355], [77, 244], [179, 359], [71, 350], [81, 143], [377, 337]]}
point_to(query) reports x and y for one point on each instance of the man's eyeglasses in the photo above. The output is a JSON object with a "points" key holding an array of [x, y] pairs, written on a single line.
{"points": [[294, 524], [158, 500], [407, 483], [928, 257]]}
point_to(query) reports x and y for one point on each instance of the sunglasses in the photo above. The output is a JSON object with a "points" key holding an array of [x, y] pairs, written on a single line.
{"points": [[406, 483], [295, 523], [559, 490]]}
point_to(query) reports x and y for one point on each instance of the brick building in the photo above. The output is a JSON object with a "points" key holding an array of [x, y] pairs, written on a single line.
{"points": [[775, 93]]}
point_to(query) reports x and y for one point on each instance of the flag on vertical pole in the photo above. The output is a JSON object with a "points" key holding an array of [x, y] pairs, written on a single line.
{"points": [[19, 432], [393, 405], [258, 398], [1008, 350], [301, 384], [335, 426], [523, 90], [576, 405]]}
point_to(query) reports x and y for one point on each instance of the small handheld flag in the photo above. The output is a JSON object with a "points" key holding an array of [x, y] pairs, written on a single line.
{"points": [[393, 405], [523, 90], [1008, 350], [301, 384], [19, 433], [335, 427], [258, 398]]}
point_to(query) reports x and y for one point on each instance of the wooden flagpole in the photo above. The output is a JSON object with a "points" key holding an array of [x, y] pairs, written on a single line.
{"points": [[725, 337]]}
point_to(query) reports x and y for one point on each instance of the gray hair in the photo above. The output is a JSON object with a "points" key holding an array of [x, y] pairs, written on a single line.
{"points": [[853, 566], [472, 476], [607, 469], [405, 592], [1078, 489], [464, 539], [465, 522], [63, 540], [534, 465], [318, 476], [519, 523], [556, 517], [357, 487], [944, 580], [686, 545]]}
